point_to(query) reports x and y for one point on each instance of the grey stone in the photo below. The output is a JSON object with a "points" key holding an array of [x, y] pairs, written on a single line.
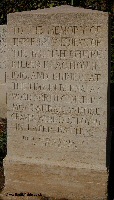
{"points": [[57, 102]]}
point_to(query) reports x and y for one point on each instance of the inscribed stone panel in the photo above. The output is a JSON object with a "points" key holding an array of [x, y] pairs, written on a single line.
{"points": [[57, 86]]}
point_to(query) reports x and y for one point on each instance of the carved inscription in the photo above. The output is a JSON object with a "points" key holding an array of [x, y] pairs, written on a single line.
{"points": [[56, 81]]}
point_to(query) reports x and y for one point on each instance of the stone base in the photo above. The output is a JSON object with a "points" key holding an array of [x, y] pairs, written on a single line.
{"points": [[55, 181]]}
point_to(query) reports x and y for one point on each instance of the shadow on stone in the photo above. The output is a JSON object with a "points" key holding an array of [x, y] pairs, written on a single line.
{"points": [[111, 171]]}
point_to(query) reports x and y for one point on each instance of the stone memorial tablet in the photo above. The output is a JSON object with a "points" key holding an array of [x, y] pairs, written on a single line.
{"points": [[57, 102]]}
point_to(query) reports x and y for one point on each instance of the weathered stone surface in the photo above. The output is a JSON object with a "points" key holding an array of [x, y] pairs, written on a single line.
{"points": [[55, 180], [57, 102], [3, 58]]}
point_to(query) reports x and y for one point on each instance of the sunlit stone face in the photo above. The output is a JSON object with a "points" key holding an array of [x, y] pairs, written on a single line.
{"points": [[57, 87]]}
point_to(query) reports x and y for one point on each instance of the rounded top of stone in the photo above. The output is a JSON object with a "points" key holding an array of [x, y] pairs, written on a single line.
{"points": [[3, 25], [61, 9]]}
